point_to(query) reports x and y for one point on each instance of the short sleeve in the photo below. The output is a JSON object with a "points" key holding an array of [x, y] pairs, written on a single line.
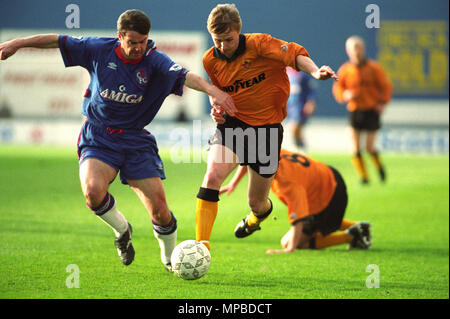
{"points": [[173, 73], [293, 195], [75, 51], [280, 50], [297, 202]]}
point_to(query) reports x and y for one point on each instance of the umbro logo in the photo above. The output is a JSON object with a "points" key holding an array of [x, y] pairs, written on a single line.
{"points": [[175, 67], [112, 65]]}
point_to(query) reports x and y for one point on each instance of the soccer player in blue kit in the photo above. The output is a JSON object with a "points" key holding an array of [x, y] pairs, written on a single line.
{"points": [[130, 79], [301, 103]]}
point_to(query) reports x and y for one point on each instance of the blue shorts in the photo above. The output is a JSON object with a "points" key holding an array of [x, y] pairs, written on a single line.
{"points": [[296, 114], [132, 152]]}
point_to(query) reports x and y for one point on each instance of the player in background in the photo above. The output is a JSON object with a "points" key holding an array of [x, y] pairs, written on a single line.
{"points": [[316, 199], [366, 89], [130, 79], [301, 104], [252, 69]]}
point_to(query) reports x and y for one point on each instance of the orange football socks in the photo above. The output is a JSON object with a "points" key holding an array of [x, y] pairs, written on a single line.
{"points": [[360, 167], [376, 160], [346, 224], [205, 214], [331, 239]]}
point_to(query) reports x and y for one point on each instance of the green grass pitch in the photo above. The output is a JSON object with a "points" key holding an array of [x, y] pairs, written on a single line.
{"points": [[45, 227]]}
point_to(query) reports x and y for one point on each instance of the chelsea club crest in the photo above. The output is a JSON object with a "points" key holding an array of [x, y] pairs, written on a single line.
{"points": [[141, 76]]}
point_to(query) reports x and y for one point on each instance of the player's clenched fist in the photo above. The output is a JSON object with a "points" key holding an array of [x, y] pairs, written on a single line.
{"points": [[7, 49], [222, 101], [217, 116]]}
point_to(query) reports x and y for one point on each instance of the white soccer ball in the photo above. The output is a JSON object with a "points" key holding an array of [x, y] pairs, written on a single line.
{"points": [[190, 260]]}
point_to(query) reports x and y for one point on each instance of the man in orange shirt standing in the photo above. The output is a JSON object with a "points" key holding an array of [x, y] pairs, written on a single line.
{"points": [[251, 68], [316, 198], [366, 89]]}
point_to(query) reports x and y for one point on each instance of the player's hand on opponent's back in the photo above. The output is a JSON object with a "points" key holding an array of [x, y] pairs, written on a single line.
{"points": [[324, 73]]}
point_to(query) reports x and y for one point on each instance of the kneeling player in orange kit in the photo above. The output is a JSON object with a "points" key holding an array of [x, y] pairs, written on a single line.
{"points": [[316, 197]]}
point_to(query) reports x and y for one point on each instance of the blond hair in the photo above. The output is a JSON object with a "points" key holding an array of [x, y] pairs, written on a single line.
{"points": [[354, 39], [223, 18]]}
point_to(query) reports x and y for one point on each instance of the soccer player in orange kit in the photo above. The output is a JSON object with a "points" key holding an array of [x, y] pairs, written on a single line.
{"points": [[252, 69], [316, 198], [366, 89]]}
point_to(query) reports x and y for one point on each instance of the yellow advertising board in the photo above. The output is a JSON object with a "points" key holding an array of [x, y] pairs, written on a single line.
{"points": [[415, 56]]}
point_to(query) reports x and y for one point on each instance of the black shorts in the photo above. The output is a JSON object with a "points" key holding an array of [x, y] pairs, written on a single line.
{"points": [[365, 120], [255, 146], [330, 219]]}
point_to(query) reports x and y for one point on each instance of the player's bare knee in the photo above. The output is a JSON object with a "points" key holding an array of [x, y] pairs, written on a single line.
{"points": [[94, 194], [213, 179]]}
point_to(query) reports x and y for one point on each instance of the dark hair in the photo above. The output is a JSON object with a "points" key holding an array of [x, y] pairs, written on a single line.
{"points": [[133, 20]]}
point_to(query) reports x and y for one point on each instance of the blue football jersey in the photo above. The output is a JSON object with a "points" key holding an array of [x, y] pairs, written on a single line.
{"points": [[303, 89], [122, 93]]}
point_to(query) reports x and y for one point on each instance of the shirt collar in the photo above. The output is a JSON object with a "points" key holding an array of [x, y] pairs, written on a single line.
{"points": [[125, 60], [362, 63], [240, 49]]}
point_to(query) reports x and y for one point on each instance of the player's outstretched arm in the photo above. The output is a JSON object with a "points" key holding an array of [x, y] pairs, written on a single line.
{"points": [[307, 65], [42, 41], [218, 98], [295, 238]]}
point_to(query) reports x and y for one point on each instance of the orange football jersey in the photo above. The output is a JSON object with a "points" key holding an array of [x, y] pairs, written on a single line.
{"points": [[305, 185], [368, 82], [256, 78]]}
